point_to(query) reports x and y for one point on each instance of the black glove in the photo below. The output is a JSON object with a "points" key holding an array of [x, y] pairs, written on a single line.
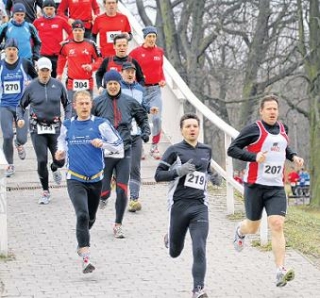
{"points": [[186, 168], [145, 137], [215, 179]]}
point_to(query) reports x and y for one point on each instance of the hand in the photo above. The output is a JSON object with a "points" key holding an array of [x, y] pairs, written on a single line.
{"points": [[162, 83], [70, 21], [100, 90], [154, 110], [145, 137], [20, 123], [97, 143], [298, 161], [215, 179], [87, 67], [60, 155], [261, 157], [186, 168]]}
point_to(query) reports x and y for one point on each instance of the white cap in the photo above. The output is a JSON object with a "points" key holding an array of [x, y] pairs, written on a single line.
{"points": [[44, 62]]}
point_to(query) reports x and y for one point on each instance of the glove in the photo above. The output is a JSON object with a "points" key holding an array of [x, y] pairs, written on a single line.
{"points": [[186, 168], [145, 137], [215, 179]]}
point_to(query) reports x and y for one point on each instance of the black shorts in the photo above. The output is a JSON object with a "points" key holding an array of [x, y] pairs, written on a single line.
{"points": [[257, 197]]}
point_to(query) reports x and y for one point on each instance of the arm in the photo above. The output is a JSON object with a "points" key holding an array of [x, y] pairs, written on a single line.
{"points": [[141, 116], [101, 71], [9, 5], [139, 72], [61, 144], [66, 103], [36, 42], [164, 171], [30, 70]]}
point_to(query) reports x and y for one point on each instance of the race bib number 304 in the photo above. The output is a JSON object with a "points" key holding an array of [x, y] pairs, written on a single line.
{"points": [[196, 180], [79, 85]]}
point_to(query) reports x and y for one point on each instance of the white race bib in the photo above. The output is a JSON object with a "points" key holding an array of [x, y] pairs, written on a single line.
{"points": [[272, 171], [111, 35], [196, 180], [11, 87], [108, 154], [79, 85], [42, 130]]}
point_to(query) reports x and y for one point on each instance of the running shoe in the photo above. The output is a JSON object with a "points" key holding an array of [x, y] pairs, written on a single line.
{"points": [[238, 241], [117, 232], [9, 171], [154, 151], [134, 205], [283, 276], [45, 199], [57, 177], [21, 150], [103, 204], [200, 293], [87, 266]]}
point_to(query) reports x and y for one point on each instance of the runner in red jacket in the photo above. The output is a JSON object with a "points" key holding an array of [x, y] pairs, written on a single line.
{"points": [[82, 57], [108, 25], [51, 29], [84, 10]]}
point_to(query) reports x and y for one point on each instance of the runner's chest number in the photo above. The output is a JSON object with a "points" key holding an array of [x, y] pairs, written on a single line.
{"points": [[195, 180]]}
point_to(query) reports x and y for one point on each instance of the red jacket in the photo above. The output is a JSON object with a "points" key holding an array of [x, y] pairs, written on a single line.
{"points": [[51, 34], [79, 10], [107, 27], [76, 54], [151, 62]]}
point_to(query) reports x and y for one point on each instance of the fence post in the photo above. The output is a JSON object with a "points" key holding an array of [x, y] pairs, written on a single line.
{"points": [[3, 208]]}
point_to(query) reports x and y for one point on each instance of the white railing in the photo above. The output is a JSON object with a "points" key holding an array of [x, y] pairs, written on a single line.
{"points": [[3, 207], [174, 95]]}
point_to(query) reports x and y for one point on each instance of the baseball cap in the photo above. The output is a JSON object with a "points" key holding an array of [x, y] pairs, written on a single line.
{"points": [[44, 62], [128, 65], [18, 7]]}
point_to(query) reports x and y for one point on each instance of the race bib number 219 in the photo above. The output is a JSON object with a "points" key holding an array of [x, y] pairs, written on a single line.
{"points": [[196, 180]]}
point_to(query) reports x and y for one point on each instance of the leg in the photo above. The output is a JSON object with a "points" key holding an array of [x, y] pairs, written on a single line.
{"points": [[199, 227], [110, 164], [7, 117], [93, 201], [22, 133], [135, 174], [276, 224], [178, 226]]}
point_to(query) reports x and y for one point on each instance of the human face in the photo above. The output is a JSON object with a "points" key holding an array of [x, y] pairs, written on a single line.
{"points": [[83, 105], [78, 34], [111, 7], [121, 47], [269, 112], [190, 131], [44, 75], [11, 54], [113, 88], [19, 17], [128, 75], [150, 40], [49, 11]]}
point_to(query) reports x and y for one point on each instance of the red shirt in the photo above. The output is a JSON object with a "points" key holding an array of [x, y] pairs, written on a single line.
{"points": [[76, 54], [51, 34], [80, 10], [293, 177], [107, 27], [151, 62]]}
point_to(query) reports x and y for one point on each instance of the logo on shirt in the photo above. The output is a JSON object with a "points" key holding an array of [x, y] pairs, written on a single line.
{"points": [[85, 51], [72, 52], [156, 58], [275, 147]]}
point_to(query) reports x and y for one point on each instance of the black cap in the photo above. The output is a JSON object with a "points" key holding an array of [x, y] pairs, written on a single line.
{"points": [[78, 24], [128, 65], [48, 3], [11, 43]]}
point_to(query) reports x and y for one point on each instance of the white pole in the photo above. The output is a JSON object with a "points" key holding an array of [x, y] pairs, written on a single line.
{"points": [[3, 208], [264, 229]]}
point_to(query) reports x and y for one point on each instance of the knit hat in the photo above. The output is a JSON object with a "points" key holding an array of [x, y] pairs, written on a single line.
{"points": [[11, 43], [78, 24], [112, 75], [44, 62], [149, 29], [18, 7], [48, 3], [128, 65]]}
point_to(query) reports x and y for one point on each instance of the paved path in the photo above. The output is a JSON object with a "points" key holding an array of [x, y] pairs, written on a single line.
{"points": [[45, 265]]}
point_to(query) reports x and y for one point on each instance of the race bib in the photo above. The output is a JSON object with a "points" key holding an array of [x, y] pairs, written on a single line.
{"points": [[108, 154], [111, 35], [272, 171], [11, 87], [79, 85], [42, 130], [196, 180]]}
